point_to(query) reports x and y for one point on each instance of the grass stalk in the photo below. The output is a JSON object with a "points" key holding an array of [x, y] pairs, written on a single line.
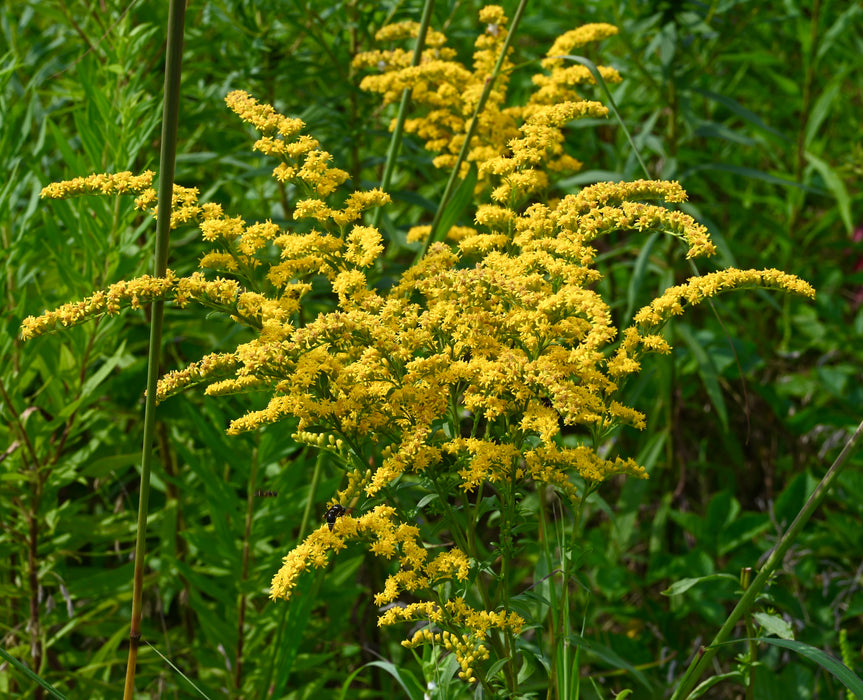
{"points": [[704, 658], [244, 575], [170, 116], [396, 138], [313, 488], [474, 122]]}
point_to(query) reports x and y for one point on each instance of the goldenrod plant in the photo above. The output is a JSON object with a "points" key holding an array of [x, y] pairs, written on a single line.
{"points": [[471, 401]]}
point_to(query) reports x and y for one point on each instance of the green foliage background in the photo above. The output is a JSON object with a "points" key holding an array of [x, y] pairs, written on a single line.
{"points": [[754, 107]]}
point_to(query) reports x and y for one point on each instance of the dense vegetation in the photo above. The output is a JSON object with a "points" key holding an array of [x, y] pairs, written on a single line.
{"points": [[753, 107]]}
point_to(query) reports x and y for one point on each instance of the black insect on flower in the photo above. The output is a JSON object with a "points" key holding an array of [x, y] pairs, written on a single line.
{"points": [[333, 513]]}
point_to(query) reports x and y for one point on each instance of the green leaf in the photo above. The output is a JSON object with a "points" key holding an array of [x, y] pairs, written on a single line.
{"points": [[703, 687], [684, 584], [774, 624], [639, 272], [290, 640], [736, 108], [721, 512], [742, 530], [691, 522], [823, 107], [751, 173], [708, 373], [837, 188], [457, 204], [792, 498], [610, 657], [495, 668], [23, 670], [404, 678], [843, 27], [94, 380], [104, 466], [826, 661]]}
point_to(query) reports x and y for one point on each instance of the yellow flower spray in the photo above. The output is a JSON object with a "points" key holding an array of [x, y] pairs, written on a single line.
{"points": [[488, 373]]}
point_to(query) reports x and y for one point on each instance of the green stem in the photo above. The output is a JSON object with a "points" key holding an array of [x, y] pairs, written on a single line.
{"points": [[745, 580], [470, 512], [313, 487], [561, 672], [244, 573], [170, 116], [474, 122], [459, 536], [506, 552], [398, 131], [704, 658]]}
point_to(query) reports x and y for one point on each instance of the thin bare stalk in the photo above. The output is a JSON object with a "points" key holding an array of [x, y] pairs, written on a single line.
{"points": [[704, 658], [474, 121], [313, 487], [398, 131], [170, 116], [244, 575]]}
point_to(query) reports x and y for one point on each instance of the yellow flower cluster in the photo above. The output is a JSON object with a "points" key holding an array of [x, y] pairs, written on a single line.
{"points": [[116, 183], [516, 343], [135, 294], [302, 160], [641, 337], [467, 651], [387, 538], [517, 340], [523, 141], [184, 201], [697, 289], [467, 647], [492, 363], [240, 247], [208, 369], [418, 572], [455, 233]]}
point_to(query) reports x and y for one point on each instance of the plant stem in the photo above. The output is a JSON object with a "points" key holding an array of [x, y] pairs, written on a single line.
{"points": [[401, 115], [313, 487], [468, 137], [745, 580], [560, 671], [170, 115], [244, 575], [705, 655]]}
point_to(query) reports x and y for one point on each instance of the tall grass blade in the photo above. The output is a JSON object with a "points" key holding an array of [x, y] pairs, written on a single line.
{"points": [[29, 674]]}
